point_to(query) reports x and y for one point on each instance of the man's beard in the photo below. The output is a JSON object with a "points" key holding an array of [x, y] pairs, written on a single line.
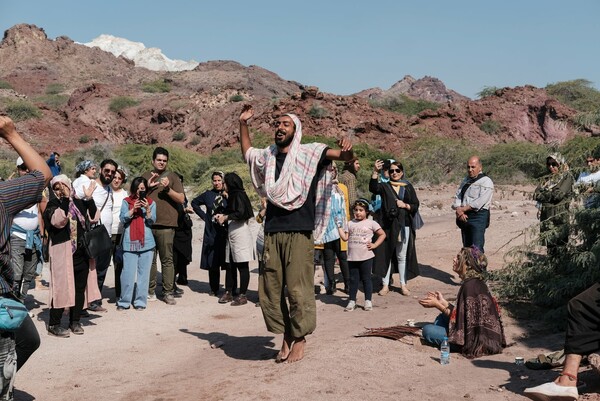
{"points": [[104, 180], [285, 142]]}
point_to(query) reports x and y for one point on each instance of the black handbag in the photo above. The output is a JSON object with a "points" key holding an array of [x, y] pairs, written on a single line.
{"points": [[96, 240]]}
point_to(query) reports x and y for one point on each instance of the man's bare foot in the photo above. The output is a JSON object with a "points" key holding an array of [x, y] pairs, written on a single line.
{"points": [[286, 347], [297, 351]]}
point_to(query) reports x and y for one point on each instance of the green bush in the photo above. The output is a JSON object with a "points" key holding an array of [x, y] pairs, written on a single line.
{"points": [[5, 85], [237, 98], [586, 120], [435, 160], [138, 159], [578, 94], [487, 91], [84, 139], [53, 102], [21, 110], [405, 105], [178, 136], [194, 141], [491, 127], [550, 281], [158, 86], [515, 162], [54, 89], [317, 111], [119, 103]]}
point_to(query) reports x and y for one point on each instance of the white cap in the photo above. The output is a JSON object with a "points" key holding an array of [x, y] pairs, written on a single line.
{"points": [[19, 161]]}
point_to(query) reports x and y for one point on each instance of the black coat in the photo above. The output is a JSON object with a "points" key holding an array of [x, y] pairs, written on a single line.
{"points": [[393, 220], [215, 235]]}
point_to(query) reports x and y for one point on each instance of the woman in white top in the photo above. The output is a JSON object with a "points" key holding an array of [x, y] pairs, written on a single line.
{"points": [[117, 226]]}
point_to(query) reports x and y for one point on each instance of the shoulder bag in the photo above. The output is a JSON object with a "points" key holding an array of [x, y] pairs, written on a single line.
{"points": [[12, 314], [96, 238], [417, 220]]}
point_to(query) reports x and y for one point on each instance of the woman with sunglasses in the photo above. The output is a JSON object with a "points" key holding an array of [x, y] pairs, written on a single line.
{"points": [[399, 204], [553, 196]]}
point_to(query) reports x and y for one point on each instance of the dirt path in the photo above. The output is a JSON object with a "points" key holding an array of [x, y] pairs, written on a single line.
{"points": [[164, 353]]}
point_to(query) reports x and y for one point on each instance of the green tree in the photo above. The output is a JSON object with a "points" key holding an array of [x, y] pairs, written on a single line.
{"points": [[405, 105], [487, 91], [578, 94]]}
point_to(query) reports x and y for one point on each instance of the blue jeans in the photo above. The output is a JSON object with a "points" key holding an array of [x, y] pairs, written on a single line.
{"points": [[435, 333], [401, 248], [135, 263], [473, 231]]}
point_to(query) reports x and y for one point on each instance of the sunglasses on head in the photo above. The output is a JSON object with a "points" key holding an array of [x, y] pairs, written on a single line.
{"points": [[395, 170]]}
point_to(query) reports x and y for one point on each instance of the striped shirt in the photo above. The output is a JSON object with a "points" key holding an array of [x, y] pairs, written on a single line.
{"points": [[15, 195]]}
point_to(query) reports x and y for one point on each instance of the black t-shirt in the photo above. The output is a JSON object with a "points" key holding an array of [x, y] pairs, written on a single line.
{"points": [[301, 219]]}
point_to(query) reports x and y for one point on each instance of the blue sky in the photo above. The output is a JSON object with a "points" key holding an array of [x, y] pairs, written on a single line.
{"points": [[347, 46]]}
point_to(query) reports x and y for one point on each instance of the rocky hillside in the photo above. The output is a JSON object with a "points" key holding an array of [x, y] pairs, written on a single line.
{"points": [[201, 105]]}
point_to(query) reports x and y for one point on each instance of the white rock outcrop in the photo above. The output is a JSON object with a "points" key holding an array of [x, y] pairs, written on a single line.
{"points": [[150, 58]]}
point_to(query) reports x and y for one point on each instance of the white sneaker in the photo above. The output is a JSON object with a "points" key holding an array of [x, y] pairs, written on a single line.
{"points": [[151, 297], [368, 305], [551, 392], [350, 307]]}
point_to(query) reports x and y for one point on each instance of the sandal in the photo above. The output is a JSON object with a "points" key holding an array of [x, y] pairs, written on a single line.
{"points": [[546, 361]]}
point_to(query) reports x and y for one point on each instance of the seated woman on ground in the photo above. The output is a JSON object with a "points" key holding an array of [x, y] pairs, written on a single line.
{"points": [[473, 326]]}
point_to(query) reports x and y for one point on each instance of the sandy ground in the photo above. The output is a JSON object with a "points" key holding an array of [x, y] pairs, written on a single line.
{"points": [[165, 353]]}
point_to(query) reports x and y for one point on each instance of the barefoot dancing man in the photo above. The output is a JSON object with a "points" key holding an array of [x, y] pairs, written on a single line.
{"points": [[294, 179]]}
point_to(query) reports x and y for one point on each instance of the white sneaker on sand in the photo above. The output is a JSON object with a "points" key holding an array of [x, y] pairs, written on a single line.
{"points": [[350, 307], [151, 297], [551, 392], [368, 305]]}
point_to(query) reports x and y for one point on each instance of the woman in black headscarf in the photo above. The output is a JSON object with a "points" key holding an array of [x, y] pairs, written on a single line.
{"points": [[240, 244], [215, 234]]}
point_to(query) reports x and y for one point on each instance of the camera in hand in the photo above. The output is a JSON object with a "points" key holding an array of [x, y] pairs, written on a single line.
{"points": [[142, 195]]}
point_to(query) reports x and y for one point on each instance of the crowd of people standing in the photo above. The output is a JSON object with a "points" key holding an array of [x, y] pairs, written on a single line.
{"points": [[304, 204]]}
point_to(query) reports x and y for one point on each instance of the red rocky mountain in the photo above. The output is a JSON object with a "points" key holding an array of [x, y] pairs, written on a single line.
{"points": [[204, 103]]}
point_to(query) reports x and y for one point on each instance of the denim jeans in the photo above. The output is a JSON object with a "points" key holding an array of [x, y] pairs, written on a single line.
{"points": [[401, 247], [24, 262], [473, 231], [434, 333], [135, 274]]}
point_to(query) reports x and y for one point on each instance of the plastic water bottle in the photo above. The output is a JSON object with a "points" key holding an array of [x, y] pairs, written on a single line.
{"points": [[445, 352]]}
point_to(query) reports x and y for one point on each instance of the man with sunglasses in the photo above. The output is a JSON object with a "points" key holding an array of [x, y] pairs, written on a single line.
{"points": [[472, 204], [103, 198]]}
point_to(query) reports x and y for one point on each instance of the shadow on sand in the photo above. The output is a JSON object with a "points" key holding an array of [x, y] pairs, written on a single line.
{"points": [[436, 274], [253, 348]]}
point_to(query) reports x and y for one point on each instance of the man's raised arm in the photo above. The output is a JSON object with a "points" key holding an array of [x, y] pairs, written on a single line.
{"points": [[31, 158], [344, 153], [245, 142]]}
